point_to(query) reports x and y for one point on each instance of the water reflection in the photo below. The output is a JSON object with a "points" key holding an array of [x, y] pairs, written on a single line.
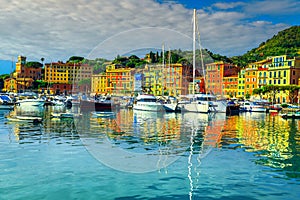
{"points": [[50, 130], [161, 138], [273, 140]]}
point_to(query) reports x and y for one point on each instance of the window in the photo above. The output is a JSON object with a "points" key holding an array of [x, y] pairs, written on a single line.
{"points": [[284, 73], [270, 75], [284, 81], [274, 81]]}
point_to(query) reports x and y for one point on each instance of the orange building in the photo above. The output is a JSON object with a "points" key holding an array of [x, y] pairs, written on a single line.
{"points": [[251, 78], [215, 73]]}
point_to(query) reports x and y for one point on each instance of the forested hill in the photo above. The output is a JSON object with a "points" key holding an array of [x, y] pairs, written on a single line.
{"points": [[285, 42]]}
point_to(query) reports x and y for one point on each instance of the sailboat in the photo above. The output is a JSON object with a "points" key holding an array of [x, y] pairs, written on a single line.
{"points": [[170, 104], [201, 103]]}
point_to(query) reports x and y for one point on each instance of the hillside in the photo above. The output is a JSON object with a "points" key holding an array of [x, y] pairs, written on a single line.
{"points": [[285, 42]]}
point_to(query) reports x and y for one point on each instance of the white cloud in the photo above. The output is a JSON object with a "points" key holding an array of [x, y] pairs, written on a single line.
{"points": [[226, 6], [59, 29], [274, 7]]}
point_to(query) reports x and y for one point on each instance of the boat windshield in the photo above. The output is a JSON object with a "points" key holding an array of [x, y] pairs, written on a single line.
{"points": [[147, 100], [206, 98]]}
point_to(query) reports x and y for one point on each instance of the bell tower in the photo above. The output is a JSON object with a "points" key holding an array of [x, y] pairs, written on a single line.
{"points": [[20, 64]]}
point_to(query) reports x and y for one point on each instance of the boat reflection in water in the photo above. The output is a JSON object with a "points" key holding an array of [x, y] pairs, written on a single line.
{"points": [[189, 154], [141, 141]]}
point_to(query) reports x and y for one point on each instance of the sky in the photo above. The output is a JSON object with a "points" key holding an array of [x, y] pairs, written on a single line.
{"points": [[56, 30]]}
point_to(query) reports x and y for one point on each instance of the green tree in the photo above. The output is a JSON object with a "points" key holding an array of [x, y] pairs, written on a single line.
{"points": [[34, 64], [75, 59]]}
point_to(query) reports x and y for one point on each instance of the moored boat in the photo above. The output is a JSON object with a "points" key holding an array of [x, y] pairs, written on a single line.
{"points": [[202, 103], [30, 102], [6, 103], [171, 104], [28, 119], [104, 104], [291, 115], [249, 106], [232, 108], [148, 102], [63, 115]]}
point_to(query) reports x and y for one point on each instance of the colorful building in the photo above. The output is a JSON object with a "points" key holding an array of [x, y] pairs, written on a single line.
{"points": [[215, 74], [118, 80], [284, 71], [99, 84], [23, 71], [250, 79], [171, 79], [23, 78], [241, 84], [230, 84], [67, 77]]}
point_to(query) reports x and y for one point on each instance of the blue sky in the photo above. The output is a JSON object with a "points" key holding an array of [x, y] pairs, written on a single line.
{"points": [[57, 30]]}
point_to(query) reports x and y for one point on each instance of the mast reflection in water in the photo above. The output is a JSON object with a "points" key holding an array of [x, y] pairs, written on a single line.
{"points": [[142, 155]]}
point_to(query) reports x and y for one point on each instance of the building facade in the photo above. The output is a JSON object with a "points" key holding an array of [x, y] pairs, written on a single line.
{"points": [[67, 77]]}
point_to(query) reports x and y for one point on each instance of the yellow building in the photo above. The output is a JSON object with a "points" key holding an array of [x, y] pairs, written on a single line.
{"points": [[241, 84], [174, 78], [171, 79], [283, 71], [99, 84], [230, 86], [10, 85], [117, 80], [66, 76]]}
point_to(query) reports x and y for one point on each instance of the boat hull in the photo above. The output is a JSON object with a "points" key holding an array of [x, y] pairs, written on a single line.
{"points": [[37, 103], [96, 106], [155, 107], [198, 107]]}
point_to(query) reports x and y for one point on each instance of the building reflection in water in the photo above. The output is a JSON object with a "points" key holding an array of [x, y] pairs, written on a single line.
{"points": [[274, 141]]}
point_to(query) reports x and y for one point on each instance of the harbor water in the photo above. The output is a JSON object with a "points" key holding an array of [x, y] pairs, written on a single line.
{"points": [[127, 154]]}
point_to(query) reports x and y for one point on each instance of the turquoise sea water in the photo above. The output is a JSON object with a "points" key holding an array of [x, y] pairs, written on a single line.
{"points": [[140, 155]]}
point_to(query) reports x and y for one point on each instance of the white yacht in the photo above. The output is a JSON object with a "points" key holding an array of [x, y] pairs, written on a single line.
{"points": [[249, 106], [202, 103], [147, 102], [30, 102]]}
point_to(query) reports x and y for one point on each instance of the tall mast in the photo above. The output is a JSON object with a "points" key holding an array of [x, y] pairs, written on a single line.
{"points": [[194, 49], [163, 70], [11, 75], [73, 80]]}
